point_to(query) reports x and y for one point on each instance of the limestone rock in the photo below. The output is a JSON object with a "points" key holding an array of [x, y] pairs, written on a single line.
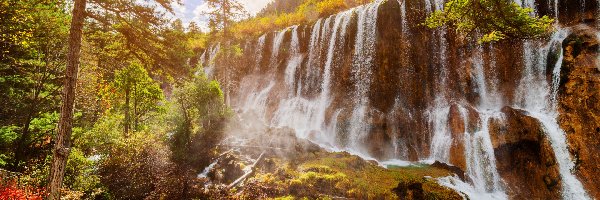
{"points": [[524, 157], [579, 104], [456, 123]]}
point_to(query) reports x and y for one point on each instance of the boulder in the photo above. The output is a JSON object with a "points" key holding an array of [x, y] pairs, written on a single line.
{"points": [[460, 123], [524, 158], [454, 169]]}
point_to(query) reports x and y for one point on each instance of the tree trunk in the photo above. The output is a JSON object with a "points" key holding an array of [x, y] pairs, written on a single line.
{"points": [[65, 124], [22, 143], [135, 104], [127, 116]]}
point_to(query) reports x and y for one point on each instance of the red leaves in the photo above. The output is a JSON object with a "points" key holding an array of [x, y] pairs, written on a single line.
{"points": [[11, 191]]}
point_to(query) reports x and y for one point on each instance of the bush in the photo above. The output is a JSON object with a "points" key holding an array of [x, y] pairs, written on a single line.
{"points": [[135, 167]]}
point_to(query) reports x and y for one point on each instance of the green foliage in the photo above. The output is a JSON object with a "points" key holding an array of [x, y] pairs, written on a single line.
{"points": [[495, 19], [324, 175], [223, 13], [138, 94], [199, 114], [80, 173], [8, 134], [306, 12], [32, 35], [99, 139], [127, 46]]}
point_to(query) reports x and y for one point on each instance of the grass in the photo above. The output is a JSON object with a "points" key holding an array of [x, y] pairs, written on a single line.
{"points": [[326, 175]]}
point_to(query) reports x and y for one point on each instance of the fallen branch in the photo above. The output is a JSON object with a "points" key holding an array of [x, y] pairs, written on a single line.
{"points": [[249, 173], [247, 146]]}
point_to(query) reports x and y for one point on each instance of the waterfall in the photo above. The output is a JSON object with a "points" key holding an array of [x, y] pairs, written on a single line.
{"points": [[260, 45], [441, 140], [307, 116], [486, 182], [314, 56], [364, 52], [257, 101], [405, 30], [304, 96], [538, 98], [294, 61], [209, 65], [276, 44]]}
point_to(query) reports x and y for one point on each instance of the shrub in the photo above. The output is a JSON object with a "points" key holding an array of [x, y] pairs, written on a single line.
{"points": [[10, 190]]}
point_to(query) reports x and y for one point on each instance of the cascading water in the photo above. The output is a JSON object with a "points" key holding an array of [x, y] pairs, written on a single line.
{"points": [[405, 30], [479, 152], [260, 45], [364, 52], [538, 98], [257, 101], [307, 116], [276, 44], [210, 60], [310, 78], [534, 95], [294, 61], [441, 140]]}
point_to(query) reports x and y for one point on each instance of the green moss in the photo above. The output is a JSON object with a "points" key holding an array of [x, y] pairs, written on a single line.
{"points": [[367, 180], [324, 175], [288, 197]]}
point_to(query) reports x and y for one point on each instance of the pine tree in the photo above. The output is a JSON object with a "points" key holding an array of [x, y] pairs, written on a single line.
{"points": [[223, 13]]}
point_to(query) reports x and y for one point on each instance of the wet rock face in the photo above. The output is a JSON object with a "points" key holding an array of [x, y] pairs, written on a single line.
{"points": [[456, 123], [409, 73], [525, 159], [579, 104]]}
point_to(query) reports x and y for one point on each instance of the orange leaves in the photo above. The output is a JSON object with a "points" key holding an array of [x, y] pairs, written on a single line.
{"points": [[11, 191]]}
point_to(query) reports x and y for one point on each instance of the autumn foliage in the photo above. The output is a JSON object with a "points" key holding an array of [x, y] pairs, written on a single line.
{"points": [[10, 190]]}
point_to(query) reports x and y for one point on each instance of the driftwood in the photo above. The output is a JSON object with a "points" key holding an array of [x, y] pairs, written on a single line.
{"points": [[249, 173], [249, 146]]}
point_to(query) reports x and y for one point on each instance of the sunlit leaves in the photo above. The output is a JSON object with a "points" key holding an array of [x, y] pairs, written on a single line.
{"points": [[143, 93], [490, 20], [308, 11]]}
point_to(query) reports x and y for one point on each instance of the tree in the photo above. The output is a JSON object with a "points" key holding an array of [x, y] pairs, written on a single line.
{"points": [[193, 28], [137, 21], [495, 19], [141, 94], [32, 37], [63, 136], [223, 13], [200, 106]]}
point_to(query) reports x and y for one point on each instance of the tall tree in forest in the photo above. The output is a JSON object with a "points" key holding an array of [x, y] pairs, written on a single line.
{"points": [[141, 94], [63, 136], [223, 13], [138, 22]]}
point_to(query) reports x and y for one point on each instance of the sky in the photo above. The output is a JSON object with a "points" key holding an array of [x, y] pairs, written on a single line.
{"points": [[191, 10]]}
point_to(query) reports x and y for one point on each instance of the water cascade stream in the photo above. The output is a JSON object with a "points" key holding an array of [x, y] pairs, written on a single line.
{"points": [[307, 97]]}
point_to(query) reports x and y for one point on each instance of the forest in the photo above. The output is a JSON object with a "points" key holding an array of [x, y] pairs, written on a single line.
{"points": [[304, 99]]}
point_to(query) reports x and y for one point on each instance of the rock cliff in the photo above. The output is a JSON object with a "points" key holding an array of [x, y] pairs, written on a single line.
{"points": [[521, 118]]}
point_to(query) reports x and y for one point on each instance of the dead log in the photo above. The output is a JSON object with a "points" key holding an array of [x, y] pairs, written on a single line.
{"points": [[248, 174]]}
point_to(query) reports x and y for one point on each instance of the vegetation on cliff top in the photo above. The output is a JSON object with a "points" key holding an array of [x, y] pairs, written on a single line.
{"points": [[490, 20], [308, 11]]}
